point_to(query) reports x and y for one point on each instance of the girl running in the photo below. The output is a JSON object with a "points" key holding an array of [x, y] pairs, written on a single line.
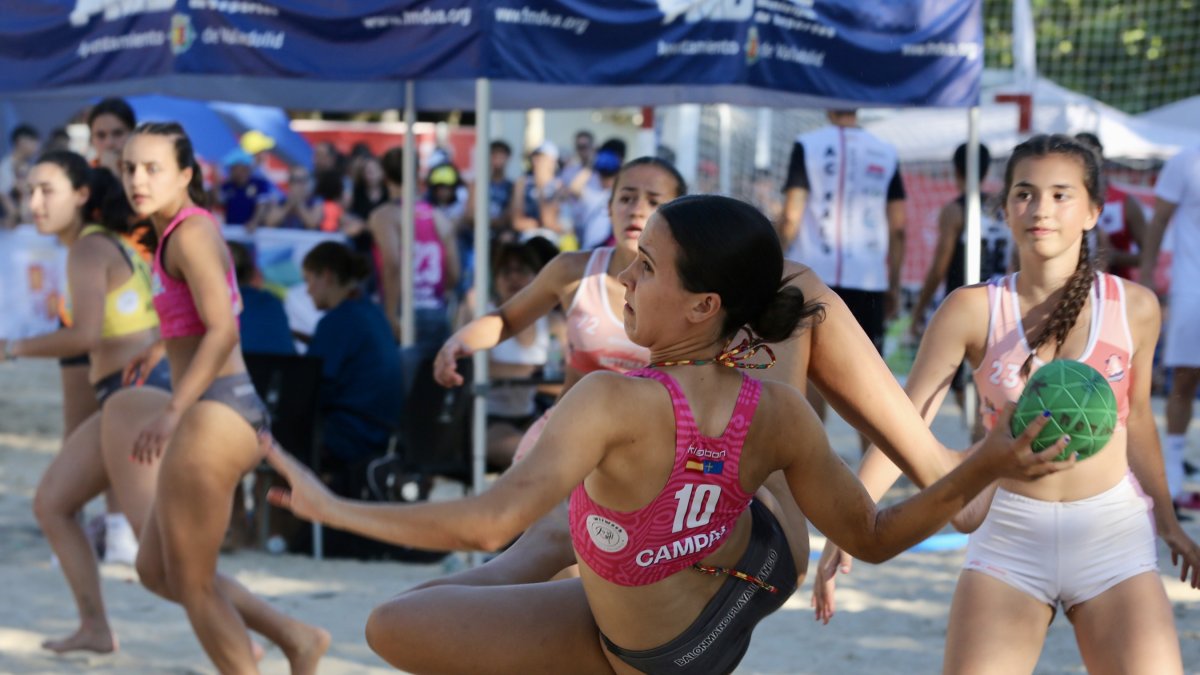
{"points": [[206, 434], [662, 467], [1083, 539], [111, 319]]}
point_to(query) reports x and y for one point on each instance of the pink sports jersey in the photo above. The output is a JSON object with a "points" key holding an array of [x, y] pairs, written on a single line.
{"points": [[173, 301], [693, 514], [1109, 348], [596, 337]]}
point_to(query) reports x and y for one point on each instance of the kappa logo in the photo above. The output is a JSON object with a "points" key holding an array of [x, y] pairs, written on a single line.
{"points": [[695, 11]]}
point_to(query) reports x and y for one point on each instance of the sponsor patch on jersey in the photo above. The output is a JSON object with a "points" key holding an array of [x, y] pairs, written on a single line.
{"points": [[606, 535]]}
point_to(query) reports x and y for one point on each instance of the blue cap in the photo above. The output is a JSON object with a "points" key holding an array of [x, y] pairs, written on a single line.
{"points": [[237, 156]]}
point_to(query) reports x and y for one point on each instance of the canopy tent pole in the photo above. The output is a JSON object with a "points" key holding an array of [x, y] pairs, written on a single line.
{"points": [[483, 116], [408, 327], [972, 230], [725, 161]]}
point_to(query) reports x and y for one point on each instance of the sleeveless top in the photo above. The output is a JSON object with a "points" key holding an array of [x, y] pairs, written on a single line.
{"points": [[128, 308], [596, 338], [514, 401], [1109, 347], [995, 247], [690, 518], [172, 298], [429, 276]]}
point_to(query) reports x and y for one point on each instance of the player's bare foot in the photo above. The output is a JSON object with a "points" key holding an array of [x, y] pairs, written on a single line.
{"points": [[310, 645], [98, 640]]}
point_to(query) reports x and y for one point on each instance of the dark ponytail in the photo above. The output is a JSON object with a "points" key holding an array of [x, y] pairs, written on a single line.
{"points": [[185, 156], [728, 247], [1064, 315], [106, 204], [346, 265]]}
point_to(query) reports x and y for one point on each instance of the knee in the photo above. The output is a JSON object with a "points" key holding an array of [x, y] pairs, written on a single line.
{"points": [[48, 510], [387, 630], [151, 573]]}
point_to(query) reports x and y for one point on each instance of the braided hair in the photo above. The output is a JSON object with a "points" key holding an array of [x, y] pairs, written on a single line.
{"points": [[1064, 315]]}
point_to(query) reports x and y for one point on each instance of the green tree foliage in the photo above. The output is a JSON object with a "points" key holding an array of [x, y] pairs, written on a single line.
{"points": [[1133, 55]]}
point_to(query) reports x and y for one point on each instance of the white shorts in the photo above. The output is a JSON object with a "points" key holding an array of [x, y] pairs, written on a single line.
{"points": [[1183, 331], [1066, 552]]}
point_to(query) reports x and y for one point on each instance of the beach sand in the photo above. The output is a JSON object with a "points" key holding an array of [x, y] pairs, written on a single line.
{"points": [[891, 618]]}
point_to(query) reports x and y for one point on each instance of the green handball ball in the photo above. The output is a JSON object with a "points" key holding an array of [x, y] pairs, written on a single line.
{"points": [[1081, 405]]}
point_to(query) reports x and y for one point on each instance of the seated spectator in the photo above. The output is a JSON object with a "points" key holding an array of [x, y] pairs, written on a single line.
{"points": [[264, 324], [246, 197], [511, 409], [334, 217], [361, 392], [360, 389], [301, 209]]}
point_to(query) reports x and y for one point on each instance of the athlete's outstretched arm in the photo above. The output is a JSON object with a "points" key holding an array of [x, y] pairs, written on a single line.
{"points": [[555, 281], [573, 444]]}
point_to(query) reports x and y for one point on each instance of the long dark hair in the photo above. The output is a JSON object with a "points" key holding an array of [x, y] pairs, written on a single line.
{"points": [[1064, 315], [728, 247], [185, 155], [106, 204], [681, 187]]}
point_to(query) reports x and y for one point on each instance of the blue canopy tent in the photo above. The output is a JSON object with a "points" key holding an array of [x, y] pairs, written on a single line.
{"points": [[499, 54]]}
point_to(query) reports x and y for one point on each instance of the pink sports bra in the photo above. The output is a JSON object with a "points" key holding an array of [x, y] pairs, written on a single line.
{"points": [[173, 301], [596, 337], [690, 518], [1109, 347]]}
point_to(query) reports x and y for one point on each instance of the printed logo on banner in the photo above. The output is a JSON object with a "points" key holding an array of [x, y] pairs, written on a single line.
{"points": [[85, 9], [182, 33], [694, 11], [752, 46]]}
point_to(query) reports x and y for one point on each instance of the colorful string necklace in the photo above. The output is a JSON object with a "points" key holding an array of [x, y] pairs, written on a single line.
{"points": [[736, 357]]}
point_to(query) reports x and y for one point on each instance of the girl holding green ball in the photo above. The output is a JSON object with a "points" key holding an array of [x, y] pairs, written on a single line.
{"points": [[1084, 538]]}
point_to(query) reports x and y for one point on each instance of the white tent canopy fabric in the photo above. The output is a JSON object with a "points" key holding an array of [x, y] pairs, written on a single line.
{"points": [[922, 135]]}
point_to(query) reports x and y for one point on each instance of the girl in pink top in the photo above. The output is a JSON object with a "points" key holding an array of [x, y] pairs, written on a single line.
{"points": [[1082, 539], [725, 561], [206, 434]]}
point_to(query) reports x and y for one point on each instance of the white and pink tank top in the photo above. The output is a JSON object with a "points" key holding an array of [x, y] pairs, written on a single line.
{"points": [[690, 518], [1109, 347], [596, 338]]}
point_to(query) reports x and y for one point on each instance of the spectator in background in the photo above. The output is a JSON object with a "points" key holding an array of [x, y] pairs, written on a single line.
{"points": [[511, 409], [24, 144], [590, 193], [326, 157], [843, 216], [300, 209], [436, 267], [264, 323], [361, 394], [1177, 203], [245, 197], [1122, 225], [59, 140], [585, 155], [445, 194], [329, 190], [537, 195], [369, 188], [109, 124], [500, 188]]}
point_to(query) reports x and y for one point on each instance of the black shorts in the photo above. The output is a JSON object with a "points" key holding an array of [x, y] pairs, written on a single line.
{"points": [[867, 308], [237, 391], [159, 378], [78, 360], [718, 638]]}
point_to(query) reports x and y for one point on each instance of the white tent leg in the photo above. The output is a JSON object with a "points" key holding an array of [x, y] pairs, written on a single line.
{"points": [[483, 115], [408, 327], [972, 227]]}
